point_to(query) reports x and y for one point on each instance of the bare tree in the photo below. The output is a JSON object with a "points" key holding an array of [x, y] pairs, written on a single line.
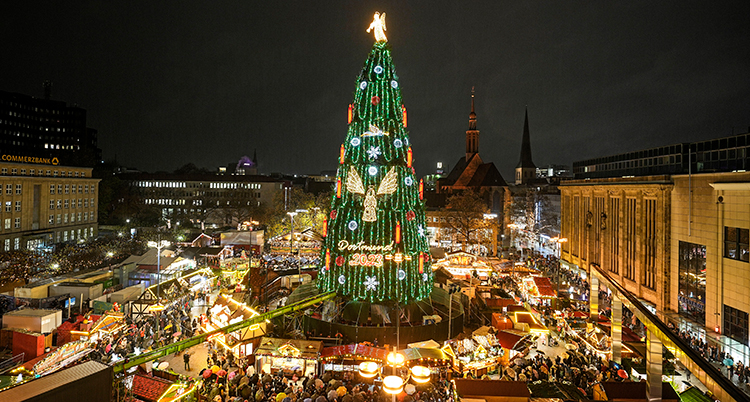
{"points": [[466, 216]]}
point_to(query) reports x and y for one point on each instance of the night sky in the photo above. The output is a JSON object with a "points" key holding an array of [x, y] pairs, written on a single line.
{"points": [[167, 83]]}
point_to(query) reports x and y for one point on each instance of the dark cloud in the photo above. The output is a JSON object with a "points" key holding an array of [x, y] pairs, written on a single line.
{"points": [[206, 82]]}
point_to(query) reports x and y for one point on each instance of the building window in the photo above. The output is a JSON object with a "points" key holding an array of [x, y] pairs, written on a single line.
{"points": [[65, 218], [91, 215], [18, 206], [59, 204], [79, 217], [5, 171], [80, 189], [73, 189], [17, 223], [736, 243], [67, 189], [630, 238], [9, 189], [52, 219], [16, 243], [7, 245], [735, 324], [692, 286], [23, 172], [14, 171], [59, 219], [51, 188], [59, 189], [72, 217], [8, 206], [7, 223], [66, 204]]}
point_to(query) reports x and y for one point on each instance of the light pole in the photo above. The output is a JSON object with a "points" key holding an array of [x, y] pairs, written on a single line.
{"points": [[158, 246], [559, 241], [292, 214], [453, 288]]}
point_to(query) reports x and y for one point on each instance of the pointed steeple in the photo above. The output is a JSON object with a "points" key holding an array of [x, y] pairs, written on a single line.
{"points": [[526, 170], [472, 134]]}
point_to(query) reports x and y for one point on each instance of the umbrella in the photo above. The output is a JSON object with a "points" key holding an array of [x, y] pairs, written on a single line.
{"points": [[410, 389], [622, 373], [522, 377], [221, 373], [215, 369], [280, 396], [176, 334], [341, 390], [232, 375], [510, 372], [728, 362], [206, 374], [332, 394], [540, 352], [571, 346], [163, 365]]}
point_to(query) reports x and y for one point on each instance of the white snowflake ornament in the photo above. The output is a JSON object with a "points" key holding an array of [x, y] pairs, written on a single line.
{"points": [[373, 152], [371, 283]]}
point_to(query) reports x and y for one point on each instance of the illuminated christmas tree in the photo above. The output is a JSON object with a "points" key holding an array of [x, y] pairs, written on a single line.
{"points": [[375, 246]]}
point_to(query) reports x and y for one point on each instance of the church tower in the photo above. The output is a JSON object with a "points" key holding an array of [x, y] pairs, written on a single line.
{"points": [[526, 170], [472, 134]]}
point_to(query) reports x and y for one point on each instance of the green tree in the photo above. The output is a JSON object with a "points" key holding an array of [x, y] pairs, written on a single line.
{"points": [[376, 248]]}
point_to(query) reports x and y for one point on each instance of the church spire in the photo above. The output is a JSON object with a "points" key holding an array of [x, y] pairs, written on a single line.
{"points": [[526, 170], [472, 134]]}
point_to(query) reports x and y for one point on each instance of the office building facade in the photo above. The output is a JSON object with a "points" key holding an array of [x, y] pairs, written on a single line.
{"points": [[44, 204]]}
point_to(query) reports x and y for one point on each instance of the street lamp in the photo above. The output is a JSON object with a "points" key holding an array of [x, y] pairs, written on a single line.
{"points": [[453, 288], [158, 246], [512, 227], [292, 214]]}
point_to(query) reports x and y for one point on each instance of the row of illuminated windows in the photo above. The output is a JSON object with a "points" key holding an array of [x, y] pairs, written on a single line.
{"points": [[64, 235], [167, 201], [58, 146], [65, 218], [220, 185], [82, 203], [40, 172], [82, 188]]}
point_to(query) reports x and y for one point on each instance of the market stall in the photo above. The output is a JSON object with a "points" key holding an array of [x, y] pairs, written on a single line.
{"points": [[111, 323], [538, 290], [465, 265], [289, 356], [225, 311], [62, 356], [478, 355], [348, 357]]}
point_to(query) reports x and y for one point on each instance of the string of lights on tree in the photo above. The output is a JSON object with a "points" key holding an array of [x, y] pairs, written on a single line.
{"points": [[375, 246]]}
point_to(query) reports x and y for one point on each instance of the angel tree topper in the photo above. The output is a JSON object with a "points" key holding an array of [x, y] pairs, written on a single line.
{"points": [[374, 247]]}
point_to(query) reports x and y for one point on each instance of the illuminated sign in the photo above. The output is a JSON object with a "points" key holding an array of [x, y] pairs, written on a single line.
{"points": [[344, 245], [367, 260], [30, 159]]}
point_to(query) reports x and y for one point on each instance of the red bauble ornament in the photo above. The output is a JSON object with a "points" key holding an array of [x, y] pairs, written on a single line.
{"points": [[411, 215], [333, 214], [375, 100], [340, 261]]}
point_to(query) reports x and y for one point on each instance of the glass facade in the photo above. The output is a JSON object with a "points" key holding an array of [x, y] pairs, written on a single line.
{"points": [[692, 296], [735, 324]]}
